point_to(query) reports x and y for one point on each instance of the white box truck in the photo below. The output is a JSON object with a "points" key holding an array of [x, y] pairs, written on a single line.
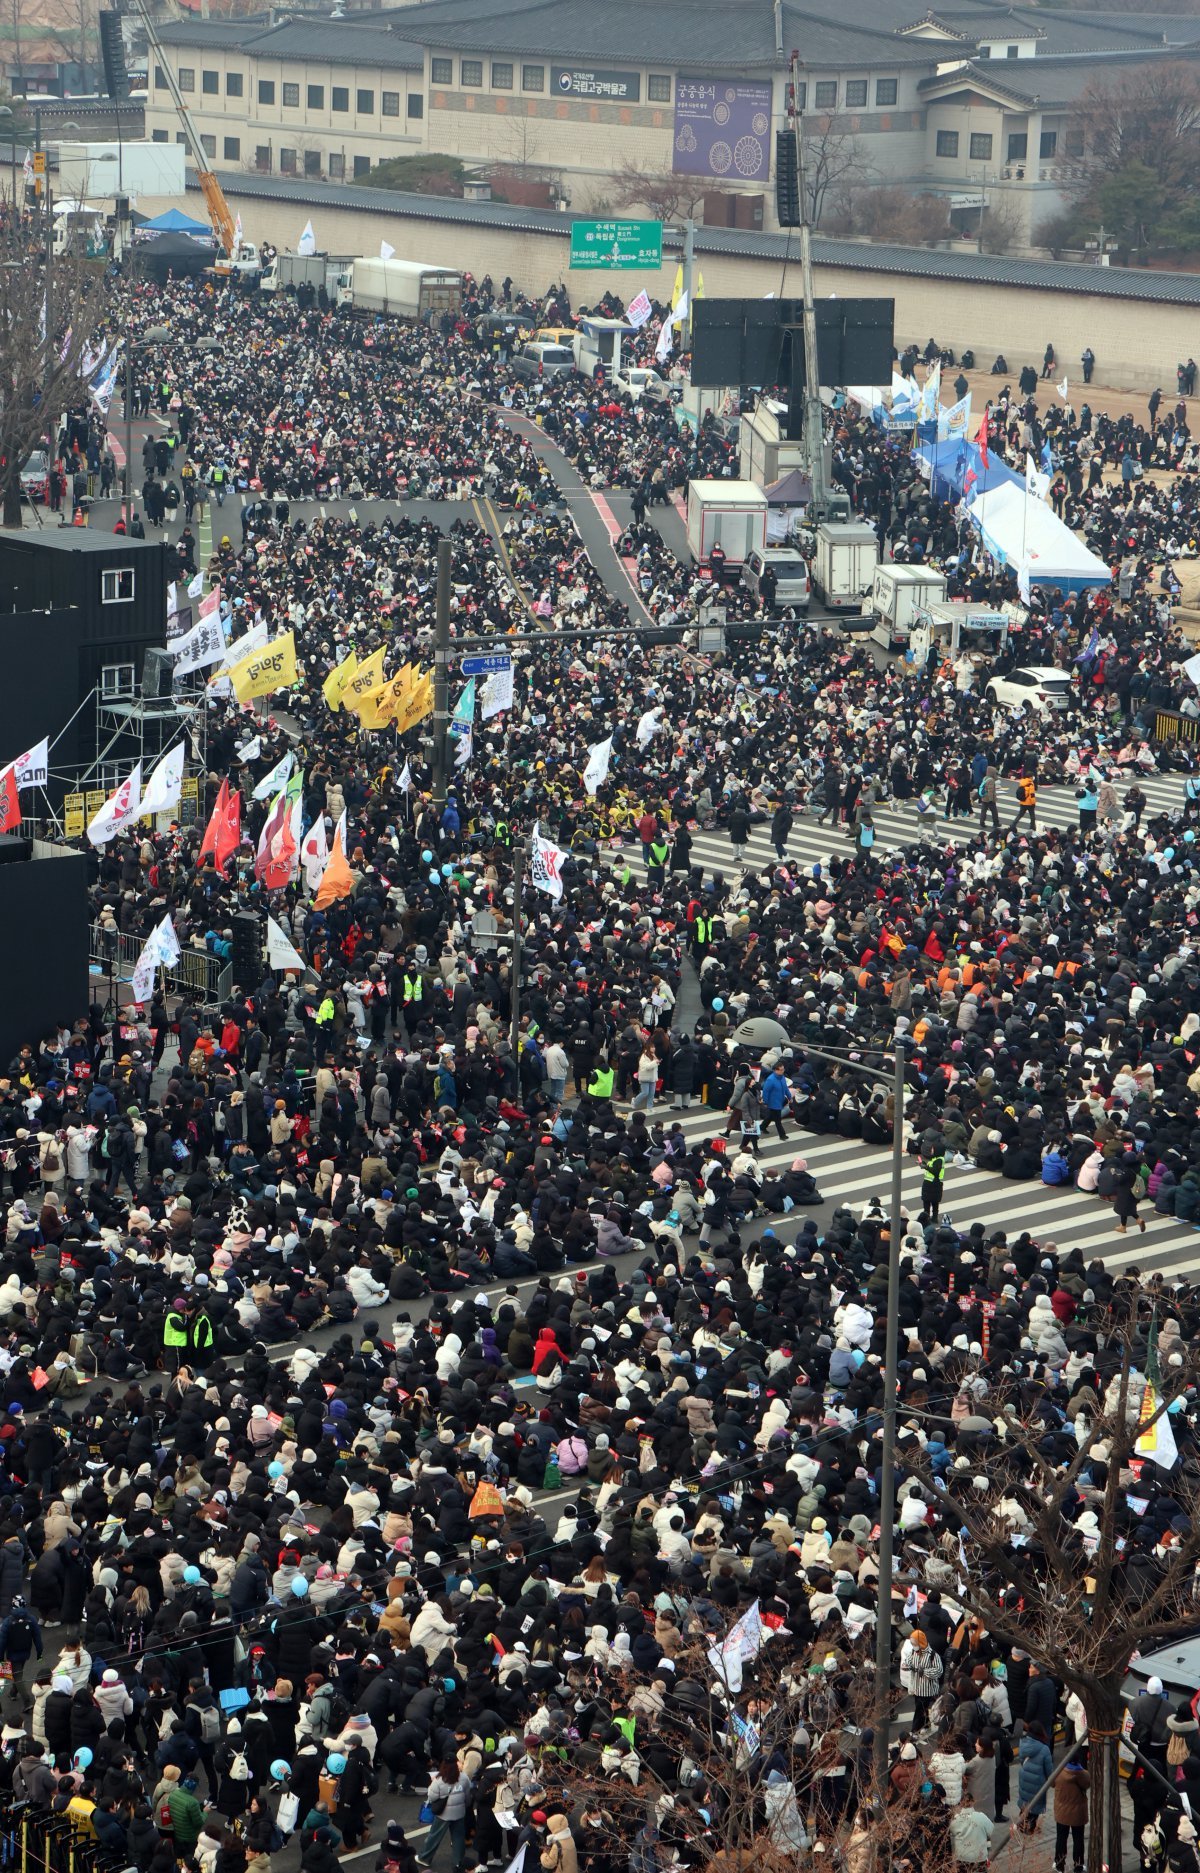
{"points": [[289, 272], [844, 564], [957, 627], [898, 593], [402, 289], [733, 512]]}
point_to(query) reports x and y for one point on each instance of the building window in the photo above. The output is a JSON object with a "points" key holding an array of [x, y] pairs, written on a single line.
{"points": [[116, 588], [233, 84], [266, 91], [658, 88], [985, 52], [885, 91], [470, 72], [312, 162], [1049, 143], [856, 94], [209, 144], [981, 146], [1011, 52], [364, 103], [416, 104], [232, 150], [210, 84], [362, 166], [825, 94], [160, 78], [316, 97], [262, 158], [389, 103], [116, 679], [947, 142], [802, 95], [158, 136], [1073, 143], [337, 168], [441, 71], [185, 78], [339, 97], [181, 136], [502, 75], [1018, 147], [533, 77], [291, 97], [287, 162]]}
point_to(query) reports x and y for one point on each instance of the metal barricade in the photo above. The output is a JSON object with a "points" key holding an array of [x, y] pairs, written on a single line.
{"points": [[35, 1840], [197, 975]]}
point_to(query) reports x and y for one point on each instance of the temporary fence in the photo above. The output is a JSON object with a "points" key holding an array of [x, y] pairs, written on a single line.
{"points": [[197, 975], [32, 1840]]}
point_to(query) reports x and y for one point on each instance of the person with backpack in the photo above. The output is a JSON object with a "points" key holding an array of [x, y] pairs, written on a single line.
{"points": [[234, 1774], [1026, 801], [202, 1720]]}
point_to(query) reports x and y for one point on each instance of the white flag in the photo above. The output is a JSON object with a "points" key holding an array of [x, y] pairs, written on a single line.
{"points": [[314, 852], [648, 727], [1037, 483], [142, 979], [203, 645], [32, 768], [196, 587], [744, 1640], [1192, 668], [164, 785], [497, 693], [546, 863], [119, 811], [1157, 1441], [956, 420], [307, 244], [237, 236], [639, 310], [662, 349], [253, 639], [279, 777], [679, 310], [599, 759], [406, 779], [250, 750], [160, 951], [1062, 389], [386, 250], [1023, 587], [464, 743], [930, 398], [281, 951], [172, 599]]}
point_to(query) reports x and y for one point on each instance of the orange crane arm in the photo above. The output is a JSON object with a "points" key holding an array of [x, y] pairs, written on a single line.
{"points": [[218, 212]]}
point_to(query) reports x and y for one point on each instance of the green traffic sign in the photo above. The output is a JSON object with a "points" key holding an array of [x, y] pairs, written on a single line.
{"points": [[616, 244]]}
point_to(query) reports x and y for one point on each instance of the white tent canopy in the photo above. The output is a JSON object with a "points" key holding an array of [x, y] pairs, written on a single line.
{"points": [[1018, 529]]}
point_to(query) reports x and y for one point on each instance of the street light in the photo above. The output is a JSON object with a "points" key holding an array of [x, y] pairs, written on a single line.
{"points": [[153, 335], [891, 1380]]}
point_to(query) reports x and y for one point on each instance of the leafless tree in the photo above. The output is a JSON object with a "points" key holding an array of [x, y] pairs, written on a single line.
{"points": [[49, 319], [835, 165], [898, 215], [1003, 223], [1148, 115], [1078, 1603], [668, 196]]}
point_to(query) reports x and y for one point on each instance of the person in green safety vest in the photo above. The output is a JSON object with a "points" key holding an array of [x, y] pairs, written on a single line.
{"points": [[200, 1338], [701, 935], [600, 1086], [656, 861], [175, 1335], [933, 1169]]}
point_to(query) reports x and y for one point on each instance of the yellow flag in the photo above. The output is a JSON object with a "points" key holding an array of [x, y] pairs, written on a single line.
{"points": [[366, 678], [266, 670], [338, 678], [389, 701], [417, 705]]}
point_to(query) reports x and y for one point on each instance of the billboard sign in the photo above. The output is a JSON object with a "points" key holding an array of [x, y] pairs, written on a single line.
{"points": [[722, 129], [616, 244], [583, 81]]}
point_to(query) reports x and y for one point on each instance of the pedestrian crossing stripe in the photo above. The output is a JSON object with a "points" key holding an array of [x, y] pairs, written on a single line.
{"points": [[851, 1173]]}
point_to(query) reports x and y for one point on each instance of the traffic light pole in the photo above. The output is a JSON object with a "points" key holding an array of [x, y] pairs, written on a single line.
{"points": [[441, 674], [814, 424]]}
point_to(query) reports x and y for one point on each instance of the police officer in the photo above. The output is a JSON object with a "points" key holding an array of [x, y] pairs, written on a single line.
{"points": [[175, 1335]]}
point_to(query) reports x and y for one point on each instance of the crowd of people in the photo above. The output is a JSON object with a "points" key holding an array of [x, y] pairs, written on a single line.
{"points": [[316, 1304]]}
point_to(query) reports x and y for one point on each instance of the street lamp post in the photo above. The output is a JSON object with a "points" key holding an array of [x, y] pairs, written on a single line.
{"points": [[153, 335]]}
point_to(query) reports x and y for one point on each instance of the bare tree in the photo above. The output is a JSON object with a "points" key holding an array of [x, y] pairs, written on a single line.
{"points": [[835, 165], [1075, 1599], [1003, 223], [668, 196], [1148, 115], [49, 319], [898, 215]]}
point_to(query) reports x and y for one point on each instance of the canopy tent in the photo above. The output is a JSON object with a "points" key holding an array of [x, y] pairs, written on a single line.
{"points": [[956, 469], [1020, 530], [787, 502], [174, 221], [173, 253]]}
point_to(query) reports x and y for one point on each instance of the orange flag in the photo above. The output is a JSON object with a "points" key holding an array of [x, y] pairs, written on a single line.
{"points": [[487, 1500], [336, 880]]}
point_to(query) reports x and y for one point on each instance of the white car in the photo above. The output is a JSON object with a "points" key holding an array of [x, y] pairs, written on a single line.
{"points": [[1039, 685], [641, 381]]}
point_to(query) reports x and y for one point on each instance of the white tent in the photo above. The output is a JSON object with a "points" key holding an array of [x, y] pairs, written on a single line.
{"points": [[1018, 530]]}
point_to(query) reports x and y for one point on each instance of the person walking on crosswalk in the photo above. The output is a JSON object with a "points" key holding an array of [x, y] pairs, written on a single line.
{"points": [[782, 821], [1026, 801], [775, 1096], [987, 802], [831, 794], [933, 1168], [739, 830]]}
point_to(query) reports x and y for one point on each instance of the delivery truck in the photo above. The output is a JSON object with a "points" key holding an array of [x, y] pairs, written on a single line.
{"points": [[287, 273], [733, 512], [847, 553], [898, 593], [956, 627], [402, 289]]}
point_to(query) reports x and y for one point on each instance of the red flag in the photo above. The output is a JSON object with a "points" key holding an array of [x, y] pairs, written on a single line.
{"points": [[10, 800], [981, 440], [211, 831], [276, 858], [229, 831]]}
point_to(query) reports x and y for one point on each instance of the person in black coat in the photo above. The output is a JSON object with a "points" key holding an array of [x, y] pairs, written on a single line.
{"points": [[1041, 1699]]}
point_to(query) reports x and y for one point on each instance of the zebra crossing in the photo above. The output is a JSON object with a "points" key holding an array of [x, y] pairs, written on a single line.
{"points": [[849, 1172], [898, 823]]}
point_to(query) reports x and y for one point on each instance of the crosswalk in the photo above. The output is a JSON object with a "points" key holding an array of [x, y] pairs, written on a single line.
{"points": [[851, 1173], [898, 823]]}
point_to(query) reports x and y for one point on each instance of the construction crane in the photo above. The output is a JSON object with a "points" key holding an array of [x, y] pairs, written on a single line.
{"points": [[234, 255]]}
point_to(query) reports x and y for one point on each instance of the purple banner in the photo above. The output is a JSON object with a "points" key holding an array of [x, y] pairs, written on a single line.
{"points": [[722, 129]]}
